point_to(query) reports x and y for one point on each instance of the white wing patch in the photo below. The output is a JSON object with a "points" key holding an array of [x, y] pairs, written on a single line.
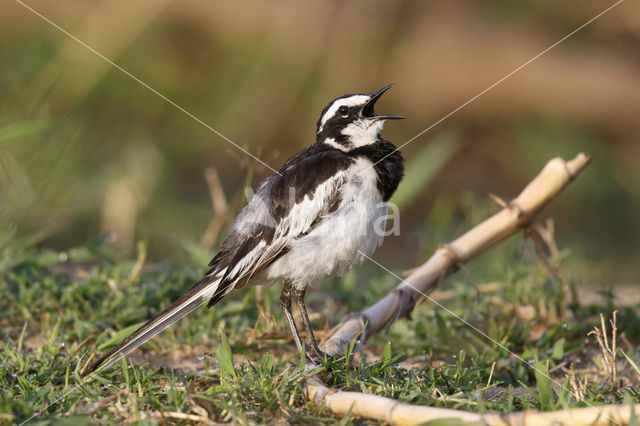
{"points": [[337, 242], [298, 221]]}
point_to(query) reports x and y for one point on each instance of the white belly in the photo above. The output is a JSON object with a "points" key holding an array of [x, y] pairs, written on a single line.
{"points": [[341, 239]]}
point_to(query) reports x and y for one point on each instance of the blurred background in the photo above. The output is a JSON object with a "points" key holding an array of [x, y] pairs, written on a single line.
{"points": [[86, 151]]}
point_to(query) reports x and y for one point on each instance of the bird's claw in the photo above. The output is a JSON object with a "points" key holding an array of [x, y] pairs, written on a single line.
{"points": [[315, 360]]}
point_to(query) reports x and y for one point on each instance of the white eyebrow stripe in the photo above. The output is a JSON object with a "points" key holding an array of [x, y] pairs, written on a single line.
{"points": [[350, 101]]}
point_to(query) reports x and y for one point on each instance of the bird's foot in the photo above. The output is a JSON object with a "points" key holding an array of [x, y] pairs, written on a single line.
{"points": [[319, 357], [313, 359]]}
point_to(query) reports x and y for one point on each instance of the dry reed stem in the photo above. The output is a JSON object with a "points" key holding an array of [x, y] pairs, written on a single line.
{"points": [[449, 257], [400, 413], [220, 209], [554, 270], [137, 267], [578, 386], [400, 302], [608, 352]]}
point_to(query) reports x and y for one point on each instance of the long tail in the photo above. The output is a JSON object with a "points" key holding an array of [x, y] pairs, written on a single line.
{"points": [[202, 291]]}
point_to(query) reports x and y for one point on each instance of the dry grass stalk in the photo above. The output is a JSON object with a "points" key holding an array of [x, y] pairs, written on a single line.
{"points": [[263, 317], [137, 267], [220, 209], [81, 344], [449, 257], [608, 351], [578, 386], [547, 234], [400, 302], [493, 367]]}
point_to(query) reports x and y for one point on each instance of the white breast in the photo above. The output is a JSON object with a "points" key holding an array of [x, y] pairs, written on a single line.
{"points": [[337, 242]]}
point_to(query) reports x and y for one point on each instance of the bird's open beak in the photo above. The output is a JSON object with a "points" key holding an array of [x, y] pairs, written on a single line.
{"points": [[368, 111]]}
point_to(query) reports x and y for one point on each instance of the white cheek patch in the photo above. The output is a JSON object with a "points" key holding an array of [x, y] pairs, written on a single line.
{"points": [[349, 102]]}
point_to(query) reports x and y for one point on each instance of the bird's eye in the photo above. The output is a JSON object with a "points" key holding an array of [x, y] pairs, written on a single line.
{"points": [[344, 111]]}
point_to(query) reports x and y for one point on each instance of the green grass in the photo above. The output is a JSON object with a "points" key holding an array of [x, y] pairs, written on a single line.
{"points": [[58, 308]]}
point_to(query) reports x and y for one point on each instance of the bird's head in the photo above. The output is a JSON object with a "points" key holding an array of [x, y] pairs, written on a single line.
{"points": [[349, 121]]}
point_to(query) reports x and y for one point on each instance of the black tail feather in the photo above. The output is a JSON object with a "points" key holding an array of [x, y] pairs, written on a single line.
{"points": [[178, 309]]}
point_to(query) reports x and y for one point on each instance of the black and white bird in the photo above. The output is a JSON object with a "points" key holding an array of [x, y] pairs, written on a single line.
{"points": [[314, 219]]}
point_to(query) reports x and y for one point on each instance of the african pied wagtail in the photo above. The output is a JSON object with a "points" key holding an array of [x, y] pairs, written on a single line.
{"points": [[312, 220]]}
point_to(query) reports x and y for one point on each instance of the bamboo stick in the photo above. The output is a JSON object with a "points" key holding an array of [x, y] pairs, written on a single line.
{"points": [[445, 260], [400, 413], [449, 257]]}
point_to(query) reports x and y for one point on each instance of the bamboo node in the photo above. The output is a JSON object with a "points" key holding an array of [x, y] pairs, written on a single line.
{"points": [[524, 218], [390, 412], [407, 296], [449, 252], [571, 175]]}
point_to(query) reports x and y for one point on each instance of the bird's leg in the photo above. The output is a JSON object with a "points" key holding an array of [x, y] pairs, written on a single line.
{"points": [[285, 304], [307, 324]]}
